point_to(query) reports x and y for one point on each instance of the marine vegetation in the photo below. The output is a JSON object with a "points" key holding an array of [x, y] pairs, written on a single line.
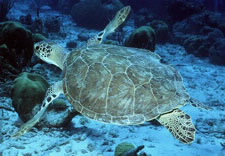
{"points": [[16, 48], [5, 6]]}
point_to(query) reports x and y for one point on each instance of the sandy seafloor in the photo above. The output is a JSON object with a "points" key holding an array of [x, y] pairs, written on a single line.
{"points": [[86, 137]]}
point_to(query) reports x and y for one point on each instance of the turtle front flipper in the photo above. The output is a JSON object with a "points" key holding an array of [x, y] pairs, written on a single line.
{"points": [[52, 93], [180, 125], [120, 17]]}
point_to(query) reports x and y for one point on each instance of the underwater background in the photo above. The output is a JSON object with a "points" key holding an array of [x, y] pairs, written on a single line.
{"points": [[188, 34]]}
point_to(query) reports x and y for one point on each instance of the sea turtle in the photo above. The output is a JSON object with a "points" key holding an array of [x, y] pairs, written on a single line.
{"points": [[117, 85]]}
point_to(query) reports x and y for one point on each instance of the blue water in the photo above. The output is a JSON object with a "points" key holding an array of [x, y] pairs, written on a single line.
{"points": [[188, 35]]}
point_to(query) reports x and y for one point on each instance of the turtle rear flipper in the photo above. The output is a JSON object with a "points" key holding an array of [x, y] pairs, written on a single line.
{"points": [[180, 125], [52, 93]]}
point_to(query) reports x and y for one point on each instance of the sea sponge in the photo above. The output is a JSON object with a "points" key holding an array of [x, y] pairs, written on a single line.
{"points": [[161, 30], [217, 52], [128, 149], [123, 148], [198, 45], [28, 91], [17, 42], [142, 37]]}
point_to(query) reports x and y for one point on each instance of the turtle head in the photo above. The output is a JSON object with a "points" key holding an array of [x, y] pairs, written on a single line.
{"points": [[50, 53]]}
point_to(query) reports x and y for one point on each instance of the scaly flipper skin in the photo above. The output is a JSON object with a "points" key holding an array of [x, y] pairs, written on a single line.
{"points": [[120, 17], [180, 125], [52, 93]]}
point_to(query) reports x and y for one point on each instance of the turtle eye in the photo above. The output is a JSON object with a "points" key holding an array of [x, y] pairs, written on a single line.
{"points": [[37, 47]]}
